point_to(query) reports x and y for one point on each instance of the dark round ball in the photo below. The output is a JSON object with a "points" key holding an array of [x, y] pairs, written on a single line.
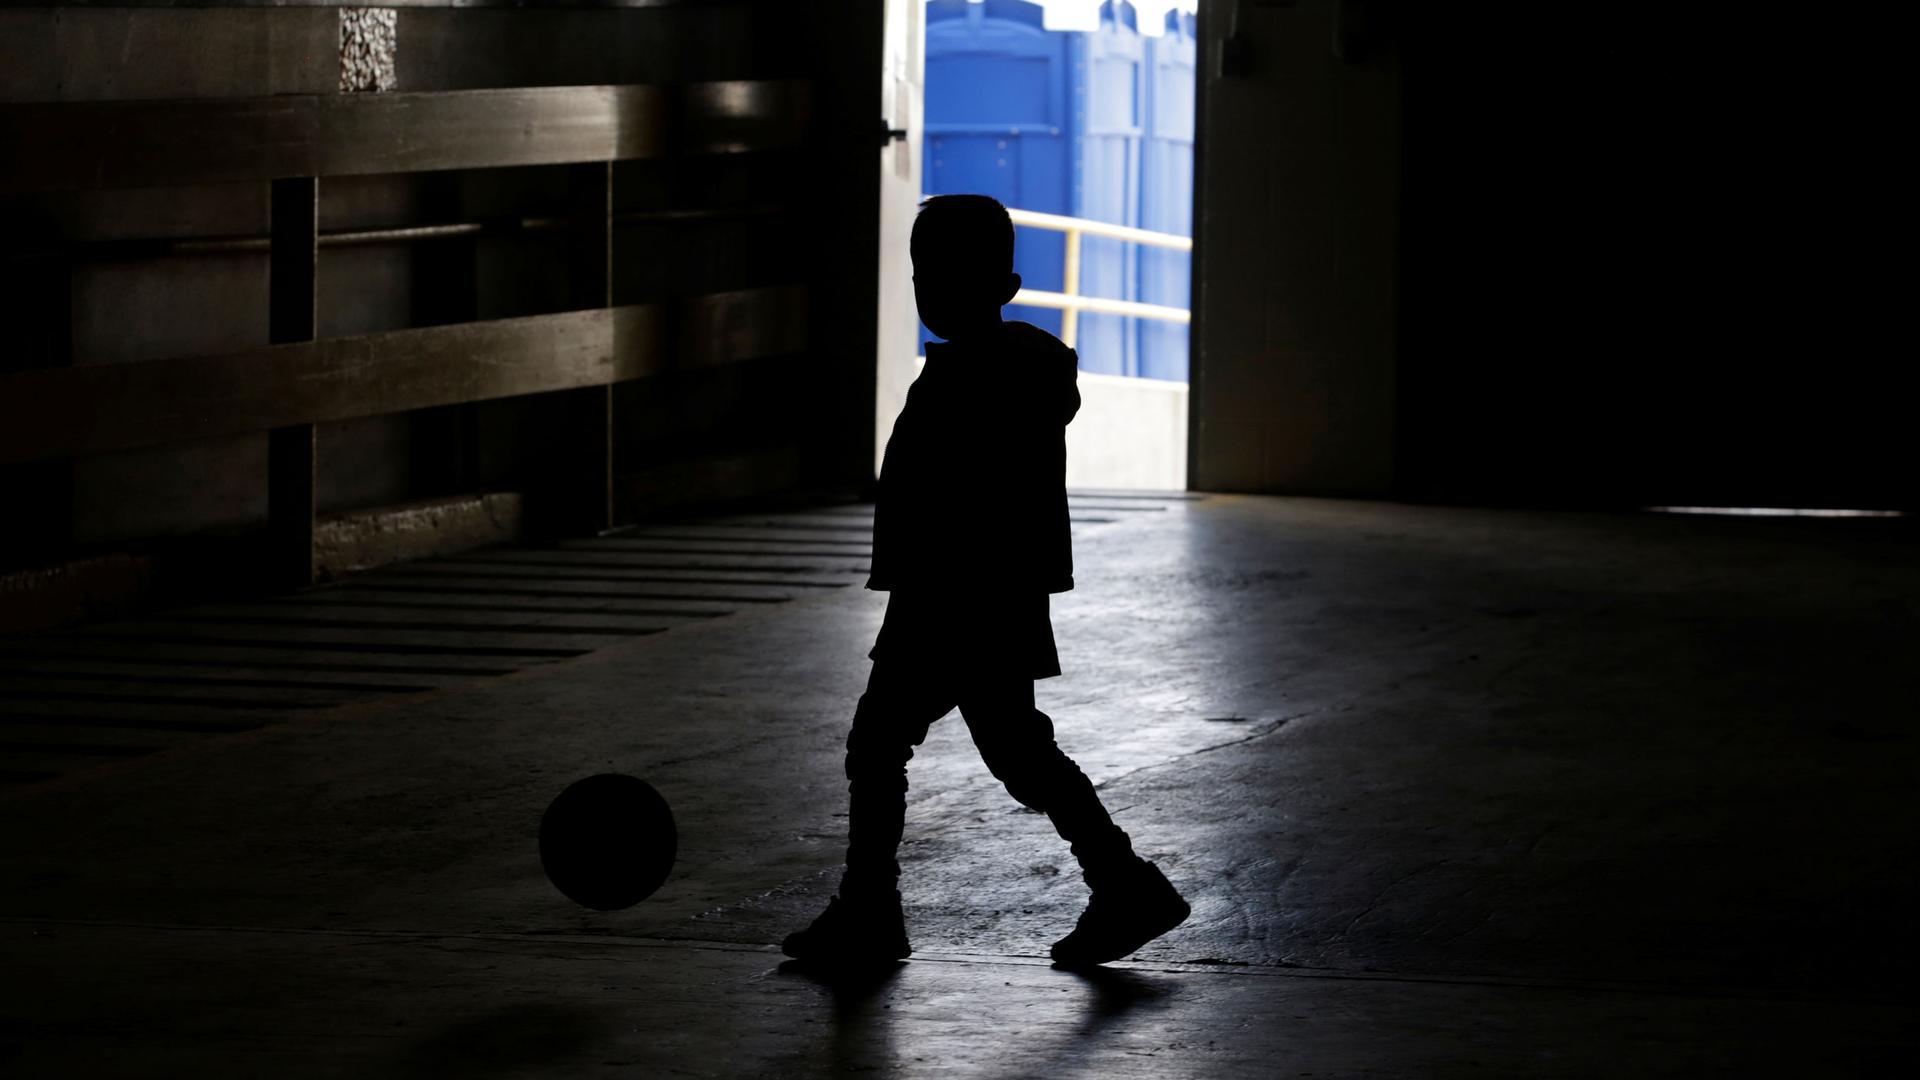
{"points": [[608, 841]]}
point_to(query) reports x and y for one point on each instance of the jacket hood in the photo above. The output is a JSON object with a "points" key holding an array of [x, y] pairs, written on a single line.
{"points": [[1061, 365]]}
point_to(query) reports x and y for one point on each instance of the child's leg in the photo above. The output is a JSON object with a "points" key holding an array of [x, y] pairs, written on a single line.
{"points": [[865, 922], [1132, 902], [892, 718], [1016, 741]]}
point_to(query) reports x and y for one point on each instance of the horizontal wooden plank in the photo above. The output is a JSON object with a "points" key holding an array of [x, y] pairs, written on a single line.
{"points": [[553, 125], [63, 412], [52, 412], [65, 146], [60, 146], [740, 116], [70, 53], [525, 5], [466, 129]]}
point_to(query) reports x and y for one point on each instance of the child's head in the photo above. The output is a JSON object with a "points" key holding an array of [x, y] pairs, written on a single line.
{"points": [[962, 263]]}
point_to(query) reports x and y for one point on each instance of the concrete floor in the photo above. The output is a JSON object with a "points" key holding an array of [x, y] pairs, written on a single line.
{"points": [[1454, 792]]}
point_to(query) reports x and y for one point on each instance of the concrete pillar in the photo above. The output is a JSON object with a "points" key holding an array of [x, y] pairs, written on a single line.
{"points": [[1295, 251]]}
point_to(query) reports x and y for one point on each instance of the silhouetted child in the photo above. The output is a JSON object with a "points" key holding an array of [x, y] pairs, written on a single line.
{"points": [[970, 536]]}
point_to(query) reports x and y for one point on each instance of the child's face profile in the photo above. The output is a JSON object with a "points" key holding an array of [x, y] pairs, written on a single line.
{"points": [[962, 249], [956, 300]]}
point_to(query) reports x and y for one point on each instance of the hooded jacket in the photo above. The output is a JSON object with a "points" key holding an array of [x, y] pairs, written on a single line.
{"points": [[972, 494]]}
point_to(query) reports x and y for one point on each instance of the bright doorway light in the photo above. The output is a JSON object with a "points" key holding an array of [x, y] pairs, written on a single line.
{"points": [[1079, 117]]}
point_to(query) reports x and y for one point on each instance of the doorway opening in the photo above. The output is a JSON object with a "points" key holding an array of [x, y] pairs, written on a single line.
{"points": [[1078, 115]]}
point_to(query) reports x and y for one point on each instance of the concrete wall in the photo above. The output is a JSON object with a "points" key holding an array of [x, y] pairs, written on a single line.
{"points": [[1130, 433], [1642, 260], [1545, 254], [1295, 248]]}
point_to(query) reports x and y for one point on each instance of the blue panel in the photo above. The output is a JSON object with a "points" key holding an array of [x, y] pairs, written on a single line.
{"points": [[982, 88], [997, 125], [1167, 193], [1094, 125], [1109, 70], [973, 163]]}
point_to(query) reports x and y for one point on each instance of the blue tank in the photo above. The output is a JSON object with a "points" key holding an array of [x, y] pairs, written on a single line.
{"points": [[1109, 77], [1166, 192], [1096, 125], [997, 123]]}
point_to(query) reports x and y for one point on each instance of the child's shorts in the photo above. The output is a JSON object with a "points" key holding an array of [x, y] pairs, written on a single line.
{"points": [[957, 635]]}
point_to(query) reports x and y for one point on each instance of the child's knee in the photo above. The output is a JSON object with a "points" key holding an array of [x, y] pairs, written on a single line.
{"points": [[1031, 771], [875, 753]]}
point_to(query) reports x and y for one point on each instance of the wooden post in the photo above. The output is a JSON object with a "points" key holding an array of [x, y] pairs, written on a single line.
{"points": [[444, 441], [39, 494], [290, 458], [584, 484]]}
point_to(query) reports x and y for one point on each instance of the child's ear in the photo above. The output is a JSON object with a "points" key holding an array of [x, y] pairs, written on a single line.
{"points": [[1013, 286]]}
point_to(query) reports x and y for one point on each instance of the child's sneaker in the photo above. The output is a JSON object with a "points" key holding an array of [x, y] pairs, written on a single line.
{"points": [[865, 930], [1127, 911]]}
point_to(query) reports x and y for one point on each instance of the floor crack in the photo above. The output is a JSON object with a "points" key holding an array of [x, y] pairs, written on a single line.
{"points": [[1261, 733]]}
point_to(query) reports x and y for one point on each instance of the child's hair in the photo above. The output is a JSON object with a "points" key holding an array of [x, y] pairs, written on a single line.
{"points": [[964, 234]]}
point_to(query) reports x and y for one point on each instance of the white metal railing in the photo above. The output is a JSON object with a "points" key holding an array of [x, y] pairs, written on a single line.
{"points": [[1069, 300]]}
